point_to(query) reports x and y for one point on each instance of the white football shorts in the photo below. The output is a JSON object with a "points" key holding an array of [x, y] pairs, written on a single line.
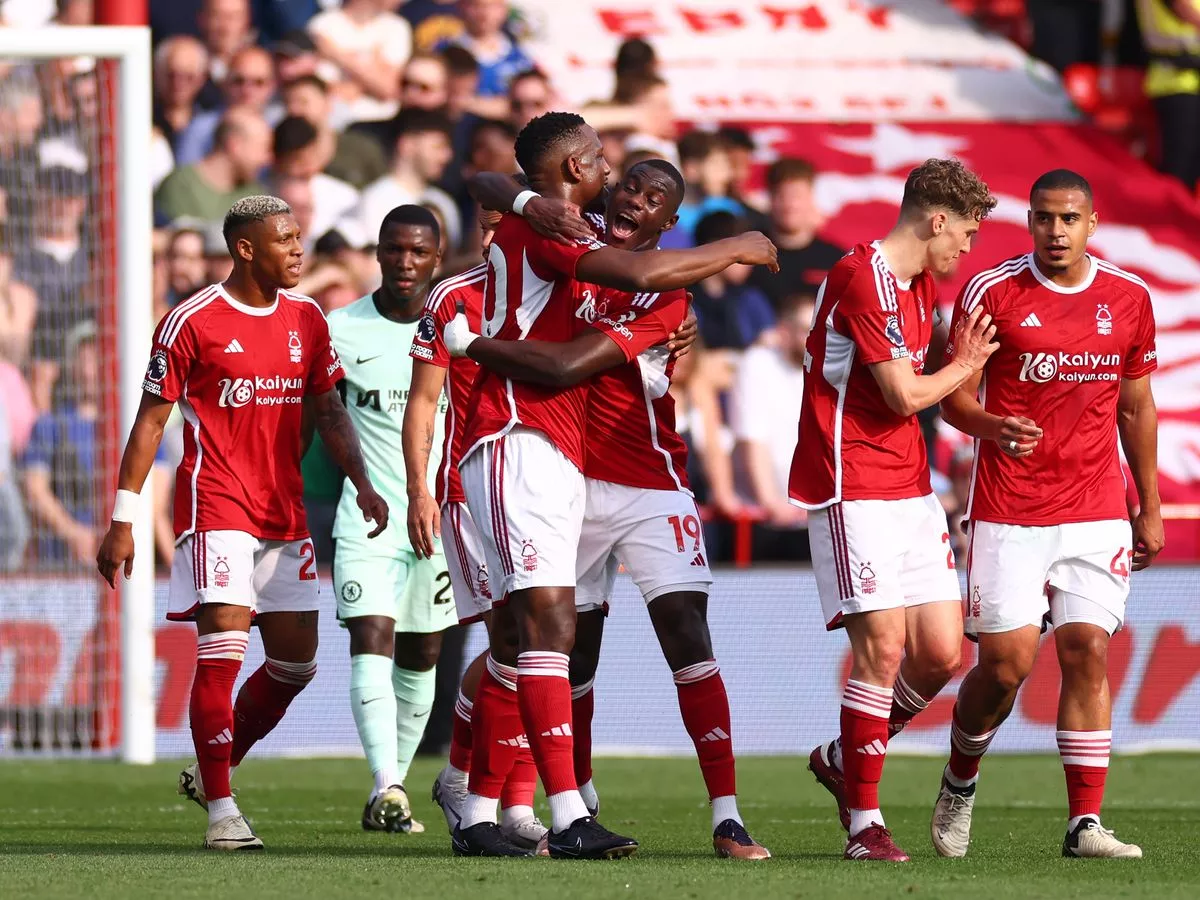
{"points": [[237, 568], [527, 500], [870, 555], [467, 564], [1020, 575], [656, 535]]}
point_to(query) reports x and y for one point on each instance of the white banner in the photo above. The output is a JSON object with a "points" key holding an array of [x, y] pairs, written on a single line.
{"points": [[799, 60], [783, 671]]}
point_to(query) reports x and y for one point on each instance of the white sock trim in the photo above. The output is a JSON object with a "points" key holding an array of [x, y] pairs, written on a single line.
{"points": [[1085, 748], [869, 699], [696, 672], [506, 675], [970, 744], [295, 673], [463, 707], [222, 645], [906, 697], [543, 663], [582, 690]]}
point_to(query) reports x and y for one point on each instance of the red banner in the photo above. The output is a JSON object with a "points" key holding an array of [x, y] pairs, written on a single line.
{"points": [[1148, 225]]}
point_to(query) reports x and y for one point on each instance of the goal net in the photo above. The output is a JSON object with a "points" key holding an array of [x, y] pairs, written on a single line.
{"points": [[75, 274]]}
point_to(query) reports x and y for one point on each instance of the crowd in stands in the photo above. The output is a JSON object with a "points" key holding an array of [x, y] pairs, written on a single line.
{"points": [[347, 110]]}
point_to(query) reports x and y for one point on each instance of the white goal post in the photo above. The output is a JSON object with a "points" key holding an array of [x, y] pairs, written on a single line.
{"points": [[130, 48]]}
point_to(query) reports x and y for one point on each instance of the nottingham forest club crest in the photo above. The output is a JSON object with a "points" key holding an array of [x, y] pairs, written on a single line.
{"points": [[295, 350], [529, 556], [221, 572], [1103, 319], [866, 578]]}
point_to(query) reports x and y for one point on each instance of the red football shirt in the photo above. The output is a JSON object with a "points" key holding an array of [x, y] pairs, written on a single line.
{"points": [[851, 445], [1063, 353], [529, 294], [428, 346], [239, 375], [631, 437]]}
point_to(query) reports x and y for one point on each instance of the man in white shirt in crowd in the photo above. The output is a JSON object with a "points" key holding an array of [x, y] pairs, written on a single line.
{"points": [[367, 45]]}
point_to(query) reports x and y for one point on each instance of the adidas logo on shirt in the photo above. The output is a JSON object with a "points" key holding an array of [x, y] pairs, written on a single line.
{"points": [[563, 730], [1032, 321], [234, 347], [223, 738], [717, 734], [875, 748]]}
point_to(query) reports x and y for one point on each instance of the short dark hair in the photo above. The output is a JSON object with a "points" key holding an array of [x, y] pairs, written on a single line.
{"points": [[717, 226], [459, 60], [418, 121], [310, 80], [411, 214], [1061, 180], [249, 210], [292, 134], [501, 125], [697, 145], [789, 168], [663, 166], [525, 74], [544, 135], [635, 54], [947, 184], [736, 138], [631, 88]]}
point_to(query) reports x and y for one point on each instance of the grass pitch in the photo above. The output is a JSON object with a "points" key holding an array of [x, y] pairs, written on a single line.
{"points": [[100, 830]]}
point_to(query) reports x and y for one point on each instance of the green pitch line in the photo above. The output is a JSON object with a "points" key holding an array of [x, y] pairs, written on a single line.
{"points": [[100, 830]]}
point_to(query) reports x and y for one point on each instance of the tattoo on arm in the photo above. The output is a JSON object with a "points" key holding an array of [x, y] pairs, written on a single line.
{"points": [[337, 432]]}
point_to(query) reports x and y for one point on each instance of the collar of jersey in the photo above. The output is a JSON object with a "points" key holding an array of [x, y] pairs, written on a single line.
{"points": [[1045, 282], [244, 308], [877, 246]]}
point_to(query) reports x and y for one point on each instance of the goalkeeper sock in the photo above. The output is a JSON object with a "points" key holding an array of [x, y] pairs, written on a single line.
{"points": [[373, 702], [414, 701]]}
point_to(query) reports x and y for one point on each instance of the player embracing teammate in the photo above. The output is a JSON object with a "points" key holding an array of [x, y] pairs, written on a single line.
{"points": [[1050, 538]]}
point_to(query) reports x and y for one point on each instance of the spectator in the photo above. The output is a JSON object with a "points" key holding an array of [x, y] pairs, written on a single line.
{"points": [[60, 461], [225, 29], [704, 164], [14, 524], [433, 22], [1066, 32], [636, 60], [424, 85], [75, 12], [217, 263], [1171, 33], [55, 265], [764, 409], [804, 259], [21, 118], [462, 70], [180, 71], [249, 85], [185, 268], [206, 190], [529, 96], [162, 160], [731, 313], [483, 34], [69, 128], [301, 154], [739, 147], [18, 310], [650, 97], [295, 57], [367, 44], [422, 153], [356, 159], [298, 194]]}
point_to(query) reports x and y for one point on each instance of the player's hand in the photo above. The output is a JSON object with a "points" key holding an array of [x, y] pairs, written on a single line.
{"points": [[116, 552], [424, 524], [559, 220], [1017, 436], [374, 508], [786, 515], [973, 340], [1148, 538], [457, 335], [756, 249], [682, 338]]}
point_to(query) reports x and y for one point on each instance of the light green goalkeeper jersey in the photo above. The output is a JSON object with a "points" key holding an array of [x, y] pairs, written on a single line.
{"points": [[374, 352]]}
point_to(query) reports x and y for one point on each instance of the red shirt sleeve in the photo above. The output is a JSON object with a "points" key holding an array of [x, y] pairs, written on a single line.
{"points": [[325, 370], [645, 321], [1142, 358], [864, 319], [427, 345], [550, 257], [171, 360]]}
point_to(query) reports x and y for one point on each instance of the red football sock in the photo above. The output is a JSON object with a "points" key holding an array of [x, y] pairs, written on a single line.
{"points": [[263, 700], [583, 705], [865, 712], [1085, 760], [966, 750], [907, 702], [497, 735], [704, 706], [544, 696], [521, 783], [460, 734], [218, 660]]}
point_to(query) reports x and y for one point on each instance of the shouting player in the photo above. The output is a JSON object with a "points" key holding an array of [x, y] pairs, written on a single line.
{"points": [[880, 545], [433, 369], [639, 510], [240, 358], [1050, 537], [523, 455], [394, 604]]}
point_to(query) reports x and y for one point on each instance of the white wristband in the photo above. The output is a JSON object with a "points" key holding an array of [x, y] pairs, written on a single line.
{"points": [[523, 198], [125, 506]]}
